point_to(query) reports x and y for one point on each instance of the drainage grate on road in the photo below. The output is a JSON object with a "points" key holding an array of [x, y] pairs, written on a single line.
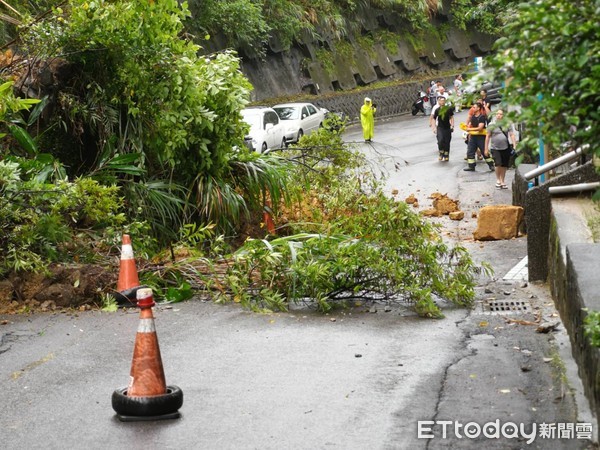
{"points": [[506, 306]]}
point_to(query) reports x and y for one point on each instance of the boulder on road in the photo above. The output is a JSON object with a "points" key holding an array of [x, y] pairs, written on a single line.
{"points": [[496, 222]]}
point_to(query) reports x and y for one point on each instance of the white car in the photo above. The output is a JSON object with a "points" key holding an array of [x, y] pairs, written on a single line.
{"points": [[299, 119], [266, 130]]}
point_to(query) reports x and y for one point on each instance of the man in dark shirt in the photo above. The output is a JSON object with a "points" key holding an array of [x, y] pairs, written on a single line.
{"points": [[442, 124]]}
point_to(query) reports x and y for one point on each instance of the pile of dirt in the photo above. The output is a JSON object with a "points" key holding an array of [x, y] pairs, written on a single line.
{"points": [[63, 286], [442, 205]]}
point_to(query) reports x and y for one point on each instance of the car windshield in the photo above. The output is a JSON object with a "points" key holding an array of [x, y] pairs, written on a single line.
{"points": [[288, 112], [252, 118]]}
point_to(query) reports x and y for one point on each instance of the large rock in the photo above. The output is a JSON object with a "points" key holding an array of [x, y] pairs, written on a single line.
{"points": [[496, 222]]}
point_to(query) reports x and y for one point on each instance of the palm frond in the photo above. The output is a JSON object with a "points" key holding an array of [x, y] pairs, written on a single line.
{"points": [[9, 19], [261, 175], [160, 203], [217, 201]]}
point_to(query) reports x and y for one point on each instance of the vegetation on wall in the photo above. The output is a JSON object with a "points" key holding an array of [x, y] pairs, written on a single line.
{"points": [[388, 40], [247, 25]]}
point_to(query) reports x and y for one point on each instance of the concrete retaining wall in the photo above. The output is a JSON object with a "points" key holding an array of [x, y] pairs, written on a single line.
{"points": [[560, 249], [320, 67], [537, 204], [576, 286]]}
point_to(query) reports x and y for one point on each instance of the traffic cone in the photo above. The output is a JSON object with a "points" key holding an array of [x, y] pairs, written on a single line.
{"points": [[147, 397], [147, 374], [128, 283], [268, 218]]}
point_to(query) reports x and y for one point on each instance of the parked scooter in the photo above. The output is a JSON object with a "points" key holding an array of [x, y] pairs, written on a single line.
{"points": [[420, 104]]}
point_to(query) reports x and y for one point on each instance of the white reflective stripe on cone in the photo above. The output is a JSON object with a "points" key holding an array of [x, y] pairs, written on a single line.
{"points": [[127, 252], [146, 326]]}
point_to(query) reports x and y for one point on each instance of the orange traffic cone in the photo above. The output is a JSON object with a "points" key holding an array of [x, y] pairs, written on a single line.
{"points": [[268, 218], [147, 397], [147, 374], [128, 283]]}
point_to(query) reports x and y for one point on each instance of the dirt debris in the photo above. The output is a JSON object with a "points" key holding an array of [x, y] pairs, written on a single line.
{"points": [[63, 286], [443, 205]]}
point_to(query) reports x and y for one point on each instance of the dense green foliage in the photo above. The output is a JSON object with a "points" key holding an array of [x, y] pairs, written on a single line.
{"points": [[141, 130], [549, 58], [44, 222], [150, 91], [136, 108], [348, 243], [486, 16], [141, 109]]}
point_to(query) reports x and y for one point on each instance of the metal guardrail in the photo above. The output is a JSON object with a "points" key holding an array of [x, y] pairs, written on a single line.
{"points": [[553, 164], [573, 188]]}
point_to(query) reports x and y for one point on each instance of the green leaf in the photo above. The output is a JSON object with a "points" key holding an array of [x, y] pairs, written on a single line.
{"points": [[35, 114], [124, 158], [5, 86], [179, 294], [24, 139]]}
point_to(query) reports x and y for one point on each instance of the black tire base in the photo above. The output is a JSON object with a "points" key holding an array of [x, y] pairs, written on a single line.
{"points": [[127, 297], [122, 418], [157, 407]]}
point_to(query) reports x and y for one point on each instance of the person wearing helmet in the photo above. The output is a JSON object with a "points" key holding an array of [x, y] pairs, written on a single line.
{"points": [[367, 119]]}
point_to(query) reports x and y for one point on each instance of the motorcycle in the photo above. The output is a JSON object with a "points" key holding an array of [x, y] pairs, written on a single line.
{"points": [[420, 104]]}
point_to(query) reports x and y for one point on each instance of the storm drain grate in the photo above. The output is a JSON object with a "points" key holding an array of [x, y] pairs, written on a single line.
{"points": [[506, 306]]}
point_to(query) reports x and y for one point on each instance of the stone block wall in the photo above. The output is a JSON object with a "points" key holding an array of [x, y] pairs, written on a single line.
{"points": [[559, 250], [300, 71], [390, 101]]}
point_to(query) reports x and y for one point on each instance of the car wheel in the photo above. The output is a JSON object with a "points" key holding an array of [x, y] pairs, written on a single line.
{"points": [[300, 133], [263, 148]]}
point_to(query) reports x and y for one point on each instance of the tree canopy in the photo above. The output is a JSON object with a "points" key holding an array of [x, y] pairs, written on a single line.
{"points": [[549, 58]]}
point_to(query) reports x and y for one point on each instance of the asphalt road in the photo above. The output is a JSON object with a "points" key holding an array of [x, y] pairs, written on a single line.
{"points": [[349, 380]]}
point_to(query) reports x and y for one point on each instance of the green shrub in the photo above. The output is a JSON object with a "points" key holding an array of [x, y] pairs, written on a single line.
{"points": [[42, 223], [348, 242]]}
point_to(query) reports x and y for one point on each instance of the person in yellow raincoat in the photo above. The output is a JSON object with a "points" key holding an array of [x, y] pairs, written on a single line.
{"points": [[367, 119]]}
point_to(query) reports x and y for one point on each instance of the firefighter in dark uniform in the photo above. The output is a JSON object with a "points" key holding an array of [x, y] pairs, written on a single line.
{"points": [[477, 130]]}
